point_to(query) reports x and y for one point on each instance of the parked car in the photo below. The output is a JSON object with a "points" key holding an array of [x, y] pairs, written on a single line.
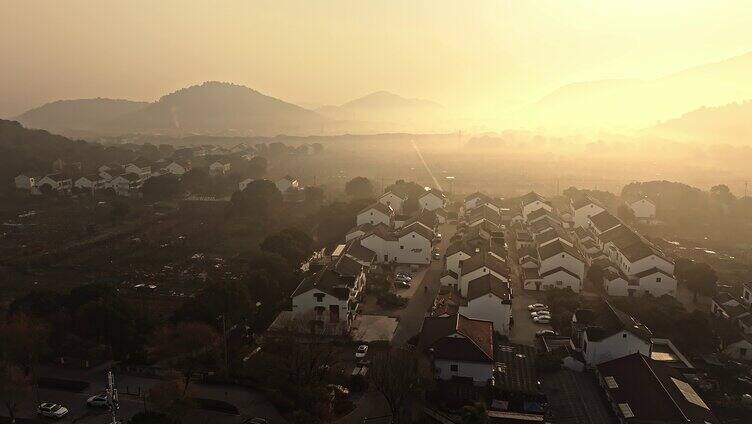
{"points": [[436, 255], [540, 314], [402, 284], [361, 351], [438, 236], [338, 391], [543, 319], [97, 401], [52, 410], [536, 307], [543, 333]]}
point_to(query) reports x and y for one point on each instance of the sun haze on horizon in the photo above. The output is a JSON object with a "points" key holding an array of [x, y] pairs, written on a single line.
{"points": [[479, 61]]}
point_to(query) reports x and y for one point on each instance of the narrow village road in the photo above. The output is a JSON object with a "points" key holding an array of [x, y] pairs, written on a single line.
{"points": [[411, 316]]}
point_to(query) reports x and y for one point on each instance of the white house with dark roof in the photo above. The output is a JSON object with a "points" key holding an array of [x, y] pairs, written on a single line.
{"points": [[408, 245], [533, 201], [726, 306], [644, 267], [583, 207], [432, 199], [475, 200], [287, 182], [25, 182], [220, 167], [377, 213], [489, 298], [747, 294], [603, 333], [329, 297], [125, 184], [643, 209], [602, 222], [478, 265], [90, 182], [393, 199], [177, 168], [740, 347], [559, 253], [459, 348], [57, 182]]}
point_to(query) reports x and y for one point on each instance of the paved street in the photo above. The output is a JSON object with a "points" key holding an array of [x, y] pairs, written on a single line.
{"points": [[523, 331], [411, 316]]}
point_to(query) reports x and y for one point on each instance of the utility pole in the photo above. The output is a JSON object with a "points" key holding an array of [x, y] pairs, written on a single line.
{"points": [[112, 397], [227, 351]]}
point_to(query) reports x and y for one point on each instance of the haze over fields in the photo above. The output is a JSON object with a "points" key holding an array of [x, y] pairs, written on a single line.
{"points": [[366, 67]]}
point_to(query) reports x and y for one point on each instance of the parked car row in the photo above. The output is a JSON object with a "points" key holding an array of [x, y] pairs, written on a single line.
{"points": [[540, 313], [402, 280]]}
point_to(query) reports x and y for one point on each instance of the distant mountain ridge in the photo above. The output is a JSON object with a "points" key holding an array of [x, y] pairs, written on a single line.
{"points": [[77, 115], [220, 108], [728, 123], [391, 111], [638, 104]]}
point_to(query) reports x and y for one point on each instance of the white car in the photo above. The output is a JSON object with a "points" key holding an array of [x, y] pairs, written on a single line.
{"points": [[543, 319], [536, 307], [52, 410], [540, 314], [361, 351], [97, 401], [544, 333]]}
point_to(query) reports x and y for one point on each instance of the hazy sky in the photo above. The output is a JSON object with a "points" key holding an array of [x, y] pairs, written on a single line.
{"points": [[477, 56]]}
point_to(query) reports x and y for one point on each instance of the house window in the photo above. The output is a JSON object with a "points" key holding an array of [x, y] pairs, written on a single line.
{"points": [[454, 367], [624, 336], [657, 279], [562, 255], [402, 247]]}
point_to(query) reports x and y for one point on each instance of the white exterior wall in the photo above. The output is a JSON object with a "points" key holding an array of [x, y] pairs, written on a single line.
{"points": [[564, 260], [616, 287], [739, 350], [23, 182], [412, 248], [453, 261], [582, 215], [646, 263], [746, 295], [480, 372], [431, 202], [378, 246], [472, 204], [643, 209], [391, 199], [175, 169], [448, 280], [84, 182], [373, 217], [243, 184], [616, 346], [562, 279], [489, 308], [650, 283], [465, 279], [305, 303]]}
